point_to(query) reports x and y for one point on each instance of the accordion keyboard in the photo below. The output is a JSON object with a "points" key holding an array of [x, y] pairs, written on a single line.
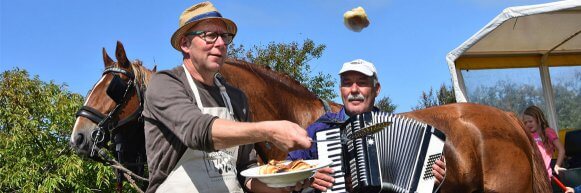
{"points": [[332, 150]]}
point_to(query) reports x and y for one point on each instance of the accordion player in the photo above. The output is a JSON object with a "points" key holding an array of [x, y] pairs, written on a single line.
{"points": [[399, 158]]}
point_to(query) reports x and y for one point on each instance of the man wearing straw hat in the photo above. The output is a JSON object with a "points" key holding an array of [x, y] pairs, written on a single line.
{"points": [[194, 141]]}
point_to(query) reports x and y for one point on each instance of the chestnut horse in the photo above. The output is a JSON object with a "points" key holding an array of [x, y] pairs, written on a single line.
{"points": [[487, 149], [110, 120]]}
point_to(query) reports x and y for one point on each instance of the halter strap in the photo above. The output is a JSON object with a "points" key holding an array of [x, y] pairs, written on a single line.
{"points": [[91, 114], [119, 70]]}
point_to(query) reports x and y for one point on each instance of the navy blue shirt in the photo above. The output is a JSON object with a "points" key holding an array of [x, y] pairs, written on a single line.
{"points": [[327, 121]]}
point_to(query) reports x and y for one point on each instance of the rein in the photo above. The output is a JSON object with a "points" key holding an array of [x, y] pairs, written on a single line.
{"points": [[127, 173]]}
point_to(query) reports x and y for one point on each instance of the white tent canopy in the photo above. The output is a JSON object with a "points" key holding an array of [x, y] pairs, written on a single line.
{"points": [[540, 36]]}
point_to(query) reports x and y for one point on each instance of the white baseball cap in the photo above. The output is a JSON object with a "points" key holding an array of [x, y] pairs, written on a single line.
{"points": [[359, 65]]}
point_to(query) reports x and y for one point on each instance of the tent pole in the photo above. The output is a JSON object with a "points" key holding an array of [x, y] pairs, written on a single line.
{"points": [[548, 86], [549, 96]]}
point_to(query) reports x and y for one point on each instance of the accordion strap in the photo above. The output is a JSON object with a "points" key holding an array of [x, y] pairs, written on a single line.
{"points": [[331, 121], [325, 105]]}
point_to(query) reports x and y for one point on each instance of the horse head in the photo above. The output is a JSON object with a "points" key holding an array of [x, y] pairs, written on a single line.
{"points": [[112, 108]]}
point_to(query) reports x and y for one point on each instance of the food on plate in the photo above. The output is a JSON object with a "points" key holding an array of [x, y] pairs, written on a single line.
{"points": [[274, 166]]}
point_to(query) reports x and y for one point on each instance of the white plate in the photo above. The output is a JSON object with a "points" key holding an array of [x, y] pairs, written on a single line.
{"points": [[279, 180]]}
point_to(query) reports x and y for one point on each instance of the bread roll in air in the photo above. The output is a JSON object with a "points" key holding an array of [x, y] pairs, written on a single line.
{"points": [[356, 19]]}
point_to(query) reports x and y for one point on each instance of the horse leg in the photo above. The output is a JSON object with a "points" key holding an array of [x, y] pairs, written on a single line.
{"points": [[506, 167], [463, 164]]}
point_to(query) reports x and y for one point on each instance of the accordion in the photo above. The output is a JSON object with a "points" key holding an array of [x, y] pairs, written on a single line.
{"points": [[397, 159]]}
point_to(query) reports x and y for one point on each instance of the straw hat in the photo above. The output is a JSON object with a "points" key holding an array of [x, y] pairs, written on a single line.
{"points": [[193, 15]]}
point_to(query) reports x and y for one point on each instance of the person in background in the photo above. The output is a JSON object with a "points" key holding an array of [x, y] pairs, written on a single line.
{"points": [[545, 137], [359, 87], [196, 140]]}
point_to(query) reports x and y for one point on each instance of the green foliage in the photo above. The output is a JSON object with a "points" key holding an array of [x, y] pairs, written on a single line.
{"points": [[444, 95], [508, 96], [292, 59], [568, 102], [515, 97], [385, 104], [35, 124]]}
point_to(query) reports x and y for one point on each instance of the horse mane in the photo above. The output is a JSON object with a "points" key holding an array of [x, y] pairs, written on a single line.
{"points": [[282, 80], [142, 73]]}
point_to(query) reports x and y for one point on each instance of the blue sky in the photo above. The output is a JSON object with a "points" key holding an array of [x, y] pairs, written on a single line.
{"points": [[407, 40]]}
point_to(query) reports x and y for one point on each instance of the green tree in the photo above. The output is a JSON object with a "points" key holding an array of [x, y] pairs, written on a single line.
{"points": [[508, 96], [568, 102], [444, 95], [35, 122], [516, 97], [292, 59], [385, 104]]}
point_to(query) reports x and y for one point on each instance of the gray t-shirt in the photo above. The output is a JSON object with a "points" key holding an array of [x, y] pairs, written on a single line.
{"points": [[174, 122]]}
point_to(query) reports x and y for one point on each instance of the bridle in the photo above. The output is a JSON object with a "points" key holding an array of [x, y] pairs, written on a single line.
{"points": [[107, 125], [120, 92]]}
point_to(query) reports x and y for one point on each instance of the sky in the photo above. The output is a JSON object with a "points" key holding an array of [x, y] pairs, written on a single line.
{"points": [[61, 40]]}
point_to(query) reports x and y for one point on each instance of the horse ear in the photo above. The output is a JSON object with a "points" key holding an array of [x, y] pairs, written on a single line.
{"points": [[121, 56], [155, 68], [106, 59]]}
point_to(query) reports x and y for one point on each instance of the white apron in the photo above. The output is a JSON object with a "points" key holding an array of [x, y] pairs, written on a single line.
{"points": [[199, 171]]}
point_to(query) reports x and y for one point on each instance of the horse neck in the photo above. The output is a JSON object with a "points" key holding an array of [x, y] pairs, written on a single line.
{"points": [[304, 109], [273, 95]]}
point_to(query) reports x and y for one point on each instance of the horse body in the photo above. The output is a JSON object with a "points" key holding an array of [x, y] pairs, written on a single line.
{"points": [[486, 150], [265, 102]]}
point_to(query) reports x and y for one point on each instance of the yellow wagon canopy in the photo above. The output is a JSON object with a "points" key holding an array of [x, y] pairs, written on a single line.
{"points": [[519, 37]]}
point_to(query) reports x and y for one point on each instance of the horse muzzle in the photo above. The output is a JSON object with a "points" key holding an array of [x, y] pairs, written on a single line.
{"points": [[80, 142], [88, 141]]}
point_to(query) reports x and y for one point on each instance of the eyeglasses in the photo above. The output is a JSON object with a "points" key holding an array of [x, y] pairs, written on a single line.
{"points": [[211, 37]]}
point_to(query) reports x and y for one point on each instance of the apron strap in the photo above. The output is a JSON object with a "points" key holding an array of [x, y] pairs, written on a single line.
{"points": [[224, 94], [193, 87]]}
